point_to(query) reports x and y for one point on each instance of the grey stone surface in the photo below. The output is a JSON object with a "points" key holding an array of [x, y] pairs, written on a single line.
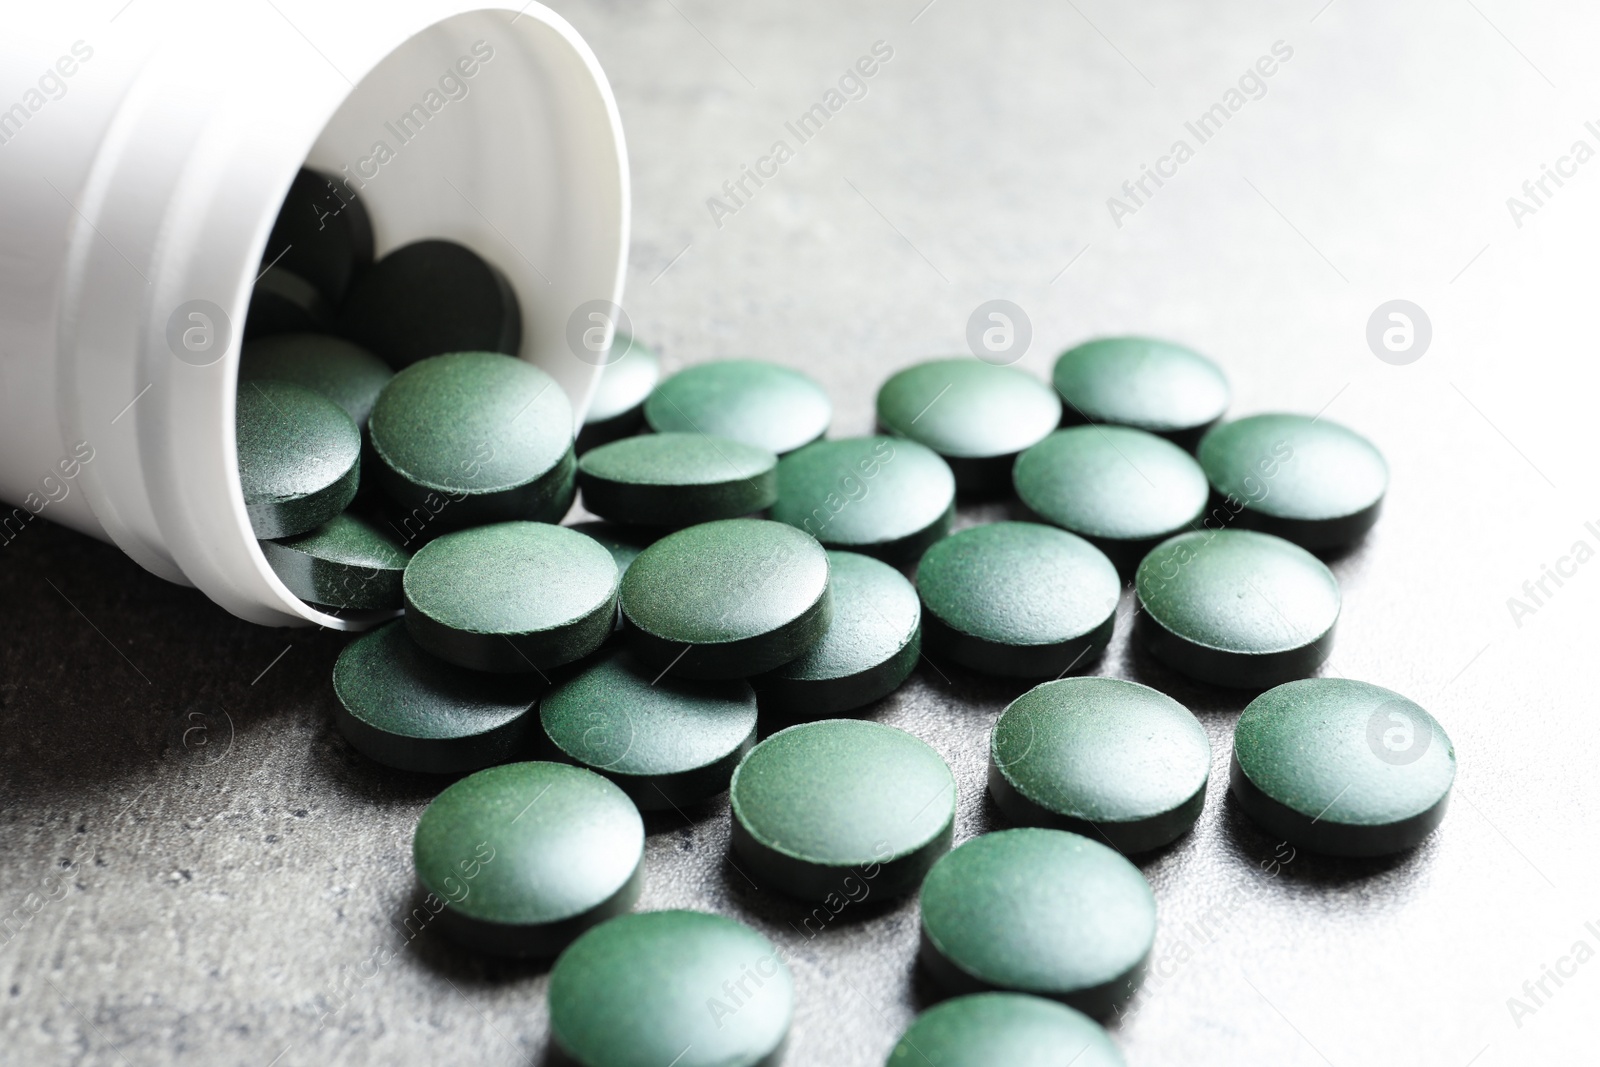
{"points": [[232, 888]]}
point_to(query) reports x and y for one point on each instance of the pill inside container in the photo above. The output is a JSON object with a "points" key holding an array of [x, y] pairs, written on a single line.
{"points": [[448, 123]]}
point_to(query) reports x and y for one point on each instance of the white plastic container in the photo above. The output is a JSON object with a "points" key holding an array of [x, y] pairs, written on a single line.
{"points": [[149, 177]]}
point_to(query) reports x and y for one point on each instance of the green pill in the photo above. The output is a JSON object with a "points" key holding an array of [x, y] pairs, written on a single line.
{"points": [[676, 479], [888, 498], [671, 989], [475, 437], [1112, 760], [1304, 479], [869, 648], [347, 562], [323, 233], [1342, 767], [1017, 599], [429, 298], [985, 1029], [345, 373], [760, 404], [407, 709], [1151, 385], [526, 856], [299, 457], [1122, 490], [283, 302], [617, 407], [842, 809], [1039, 911], [728, 599], [978, 416], [514, 597], [667, 742], [1236, 608]]}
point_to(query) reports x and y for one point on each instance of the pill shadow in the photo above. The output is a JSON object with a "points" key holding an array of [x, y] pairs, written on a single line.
{"points": [[1199, 697], [992, 819], [1248, 844], [429, 946], [809, 919]]}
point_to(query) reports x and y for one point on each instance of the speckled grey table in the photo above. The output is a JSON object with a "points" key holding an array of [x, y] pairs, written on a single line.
{"points": [[231, 887]]}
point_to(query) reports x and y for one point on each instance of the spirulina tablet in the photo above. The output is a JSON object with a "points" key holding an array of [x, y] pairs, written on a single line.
{"points": [[1151, 385], [489, 434], [986, 1029], [1122, 490], [671, 989], [345, 373], [430, 298], [676, 479], [1038, 911], [885, 497], [978, 416], [842, 808], [1017, 599], [1304, 479], [407, 709], [1236, 608], [870, 647], [283, 302], [347, 562], [617, 407], [527, 856], [514, 596], [1342, 767], [1109, 759], [323, 233], [728, 599], [667, 742], [299, 457], [760, 404]]}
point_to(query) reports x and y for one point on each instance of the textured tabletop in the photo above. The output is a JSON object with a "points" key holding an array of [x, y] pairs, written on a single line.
{"points": [[229, 886]]}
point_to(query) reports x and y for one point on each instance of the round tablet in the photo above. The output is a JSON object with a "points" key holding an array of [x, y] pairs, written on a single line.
{"points": [[515, 596], [1039, 911], [429, 298], [978, 416], [676, 479], [869, 648], [617, 407], [299, 457], [1305, 479], [728, 599], [1342, 767], [1017, 599], [1236, 608], [345, 373], [347, 562], [488, 434], [323, 233], [842, 805], [407, 709], [527, 856], [888, 498], [1147, 384], [761, 404], [985, 1029], [666, 741], [1112, 760], [284, 302], [671, 989], [1122, 490]]}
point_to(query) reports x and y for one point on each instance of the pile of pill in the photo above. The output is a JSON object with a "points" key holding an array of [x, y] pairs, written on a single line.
{"points": [[580, 675]]}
